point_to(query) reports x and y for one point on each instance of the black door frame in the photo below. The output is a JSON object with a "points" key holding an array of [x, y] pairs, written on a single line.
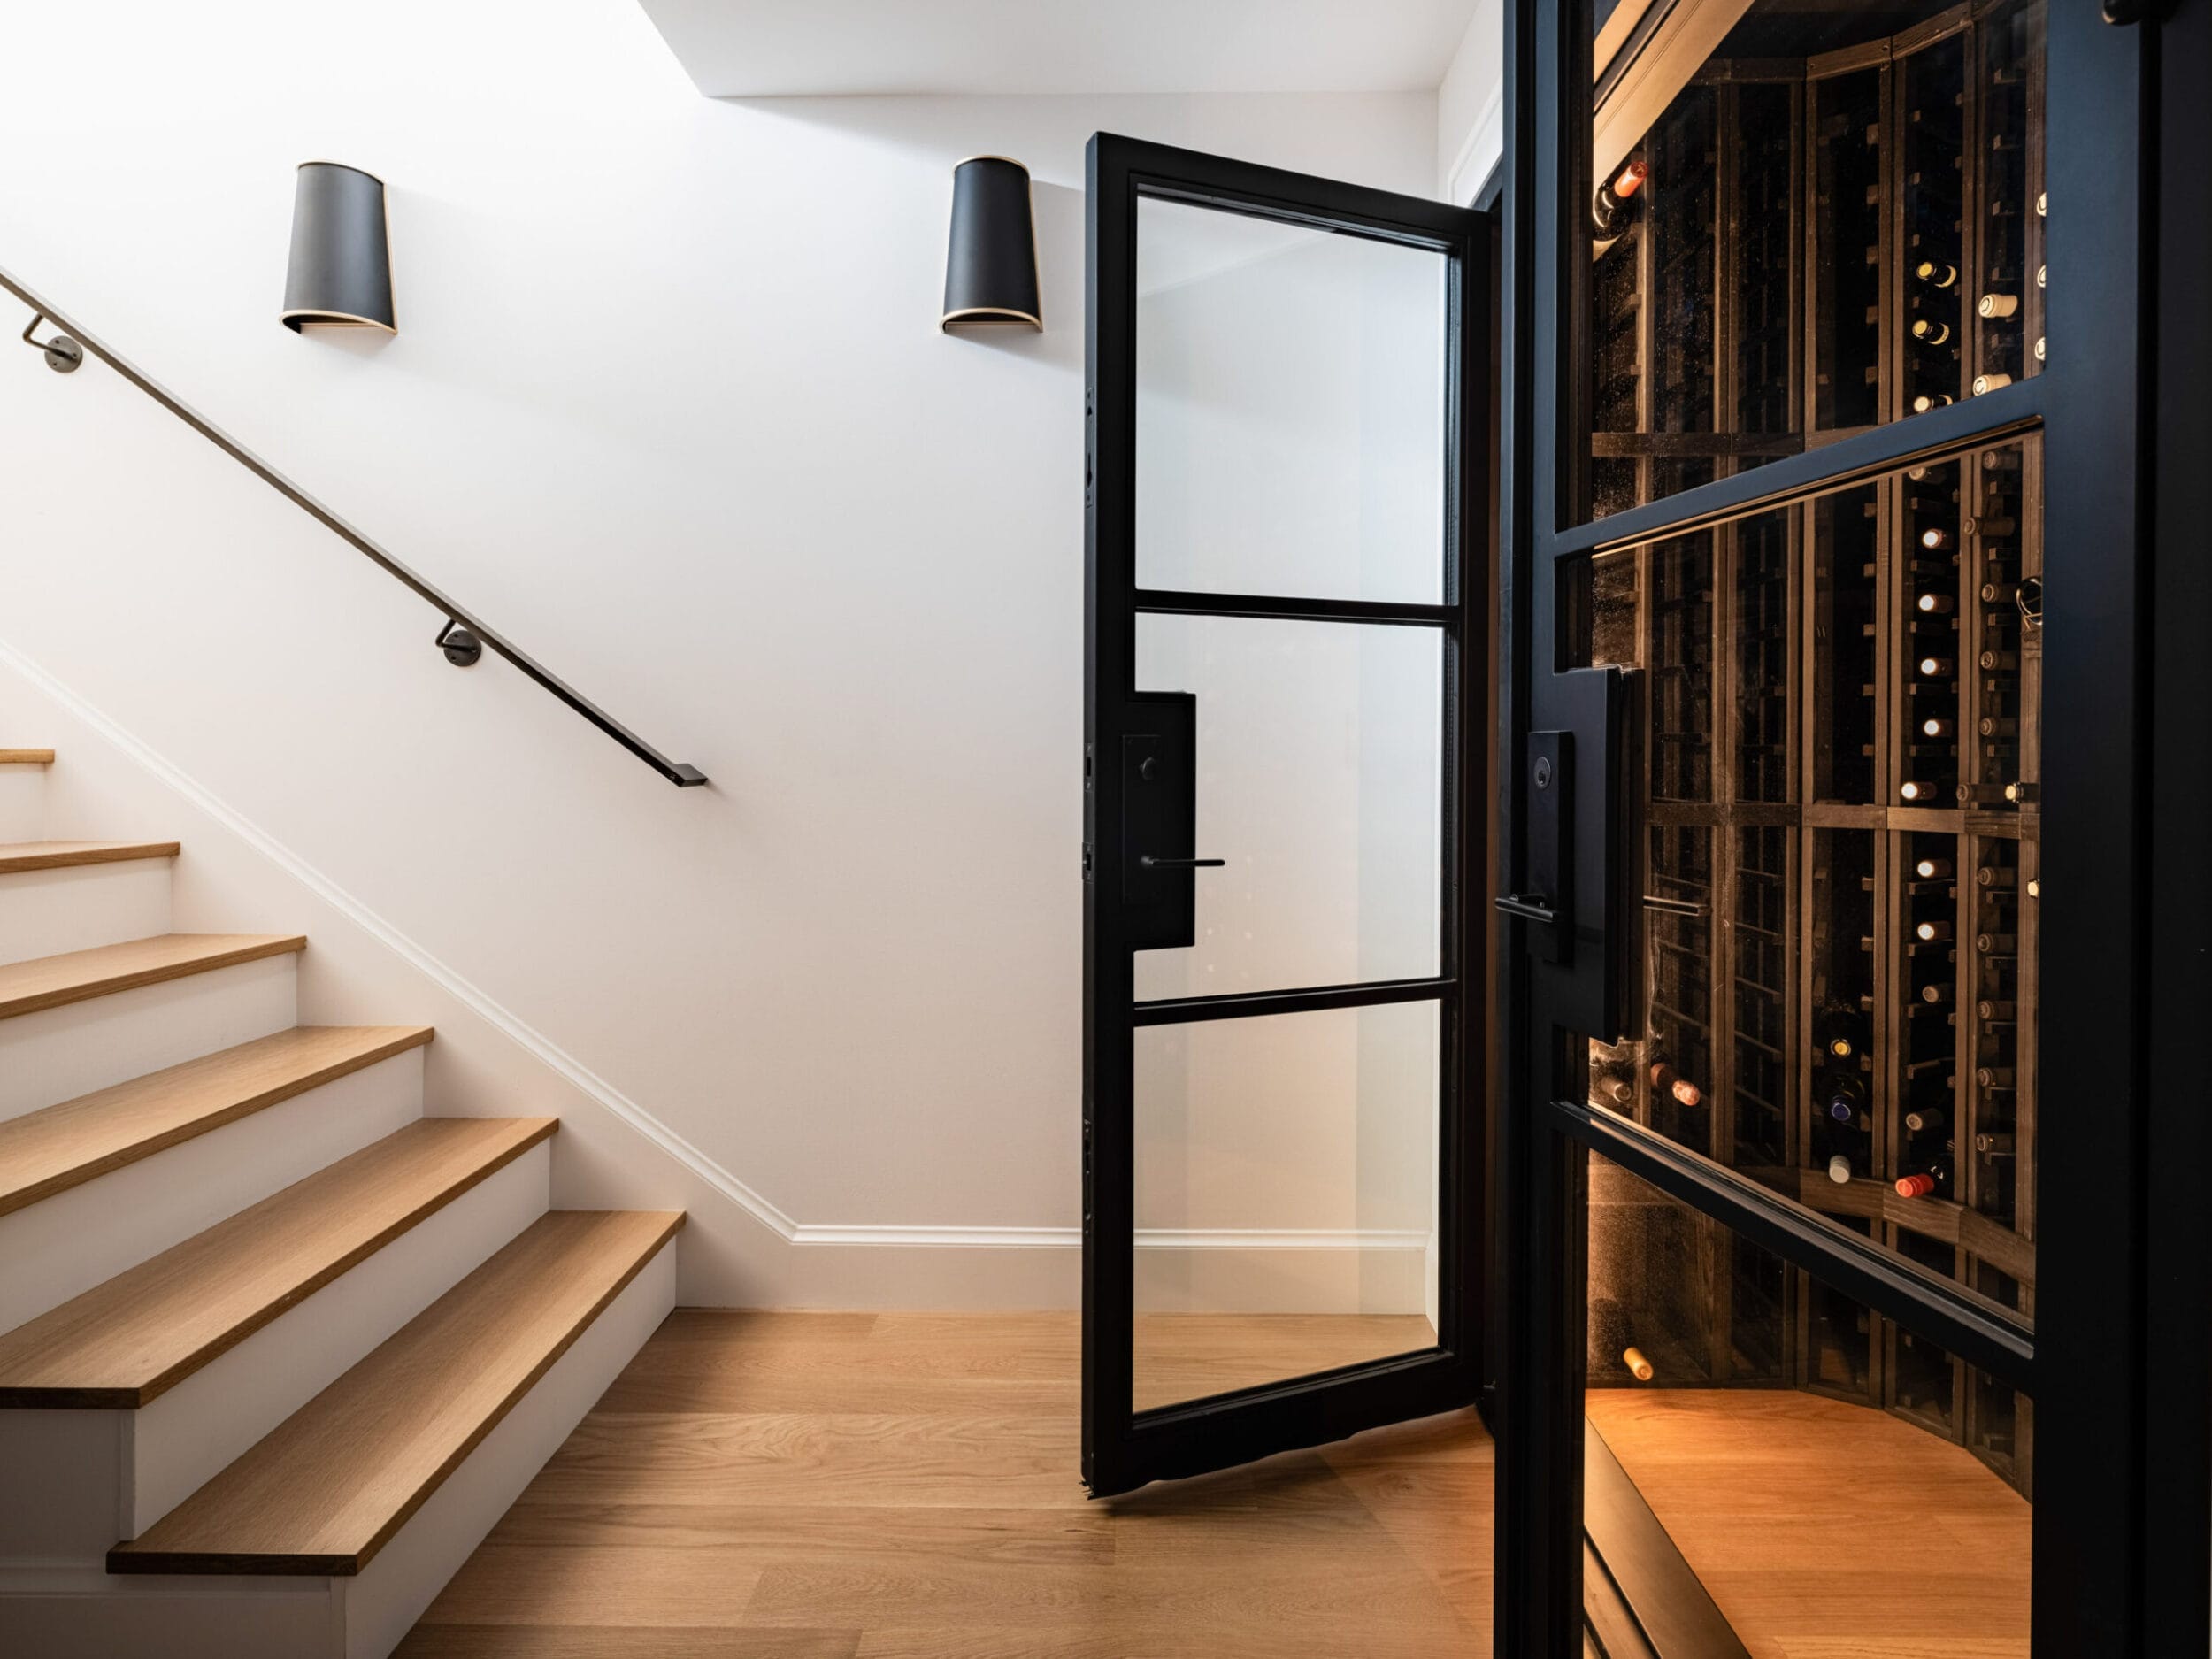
{"points": [[1123, 1449], [2120, 1528]]}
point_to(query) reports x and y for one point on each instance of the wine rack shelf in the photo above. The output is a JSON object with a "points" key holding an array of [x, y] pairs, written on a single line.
{"points": [[1841, 697]]}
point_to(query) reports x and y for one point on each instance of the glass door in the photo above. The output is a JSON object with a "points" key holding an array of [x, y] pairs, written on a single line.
{"points": [[1821, 1231], [1284, 861]]}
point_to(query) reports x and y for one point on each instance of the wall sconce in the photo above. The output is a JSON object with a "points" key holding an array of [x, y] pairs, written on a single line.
{"points": [[340, 271], [991, 271]]}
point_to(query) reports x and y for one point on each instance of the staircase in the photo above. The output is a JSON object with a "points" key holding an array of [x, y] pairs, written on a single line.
{"points": [[276, 1349]]}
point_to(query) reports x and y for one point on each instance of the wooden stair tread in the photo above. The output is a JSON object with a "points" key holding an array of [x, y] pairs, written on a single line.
{"points": [[45, 1152], [16, 856], [51, 981], [324, 1490], [124, 1342], [26, 757]]}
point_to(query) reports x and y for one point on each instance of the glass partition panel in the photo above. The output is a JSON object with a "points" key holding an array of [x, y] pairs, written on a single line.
{"points": [[1833, 221], [1840, 868], [1285, 1197], [1823, 1480]]}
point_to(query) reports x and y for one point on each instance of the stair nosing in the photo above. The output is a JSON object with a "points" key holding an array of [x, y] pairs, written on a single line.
{"points": [[124, 1558], [245, 948], [231, 1109], [44, 1396], [19, 857]]}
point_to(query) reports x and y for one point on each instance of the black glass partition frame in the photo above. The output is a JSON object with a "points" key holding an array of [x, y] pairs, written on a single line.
{"points": [[1732, 560]]}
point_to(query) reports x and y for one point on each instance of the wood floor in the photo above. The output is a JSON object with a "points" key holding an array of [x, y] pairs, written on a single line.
{"points": [[1178, 1356], [904, 1486], [761, 1486], [1827, 1531]]}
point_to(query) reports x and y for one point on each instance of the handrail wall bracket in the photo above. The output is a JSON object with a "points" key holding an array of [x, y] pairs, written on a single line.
{"points": [[63, 353]]}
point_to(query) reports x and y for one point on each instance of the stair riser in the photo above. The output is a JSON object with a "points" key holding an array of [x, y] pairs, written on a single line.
{"points": [[48, 912], [362, 1618], [60, 1053], [85, 1614], [64, 1245], [184, 1437], [124, 1470], [22, 804]]}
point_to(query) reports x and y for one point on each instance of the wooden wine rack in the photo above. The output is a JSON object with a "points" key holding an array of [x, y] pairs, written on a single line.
{"points": [[1801, 765]]}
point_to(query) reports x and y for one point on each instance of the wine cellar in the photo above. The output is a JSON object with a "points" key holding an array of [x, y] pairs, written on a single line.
{"points": [[1839, 697]]}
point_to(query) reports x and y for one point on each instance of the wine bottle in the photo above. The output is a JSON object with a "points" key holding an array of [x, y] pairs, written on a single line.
{"points": [[1973, 794], [1926, 1120], [1936, 726], [1996, 944], [1936, 1176], [1989, 527], [2035, 888], [1935, 604], [1928, 932], [1936, 275], [1994, 1146], [1665, 1080], [1994, 1076], [1990, 382], [1937, 667], [1936, 994], [1935, 538], [1846, 1098], [1616, 1092], [1996, 725], [2039, 347], [2000, 593], [1921, 794], [1999, 305], [1638, 1367], [1998, 662], [1841, 1033], [2042, 198], [1926, 401], [1993, 876], [2021, 794], [1932, 868], [1615, 204], [1840, 1170], [1990, 1008], [1928, 332], [2038, 276]]}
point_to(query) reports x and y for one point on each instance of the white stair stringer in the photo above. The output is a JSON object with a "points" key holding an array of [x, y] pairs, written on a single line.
{"points": [[52, 912], [159, 1454], [57, 1054], [65, 1244], [59, 1611]]}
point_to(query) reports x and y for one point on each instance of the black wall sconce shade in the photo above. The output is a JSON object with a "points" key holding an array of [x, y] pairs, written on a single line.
{"points": [[340, 273], [991, 271]]}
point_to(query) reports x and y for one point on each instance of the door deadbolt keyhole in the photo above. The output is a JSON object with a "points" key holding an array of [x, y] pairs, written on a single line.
{"points": [[1543, 772], [1148, 768]]}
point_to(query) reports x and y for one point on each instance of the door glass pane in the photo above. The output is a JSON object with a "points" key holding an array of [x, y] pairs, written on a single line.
{"points": [[1319, 776], [1835, 221], [1285, 1197], [1827, 1481], [1840, 853], [1290, 409]]}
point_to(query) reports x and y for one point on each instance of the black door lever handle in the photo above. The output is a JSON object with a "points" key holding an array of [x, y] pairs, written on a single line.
{"points": [[1532, 907], [1149, 863]]}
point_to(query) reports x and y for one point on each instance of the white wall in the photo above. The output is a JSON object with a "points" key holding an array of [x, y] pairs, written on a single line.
{"points": [[669, 405], [1471, 106]]}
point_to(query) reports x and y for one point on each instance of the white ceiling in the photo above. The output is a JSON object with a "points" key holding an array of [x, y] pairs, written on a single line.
{"points": [[792, 47]]}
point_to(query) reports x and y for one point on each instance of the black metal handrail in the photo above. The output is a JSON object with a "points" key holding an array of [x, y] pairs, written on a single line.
{"points": [[463, 638]]}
